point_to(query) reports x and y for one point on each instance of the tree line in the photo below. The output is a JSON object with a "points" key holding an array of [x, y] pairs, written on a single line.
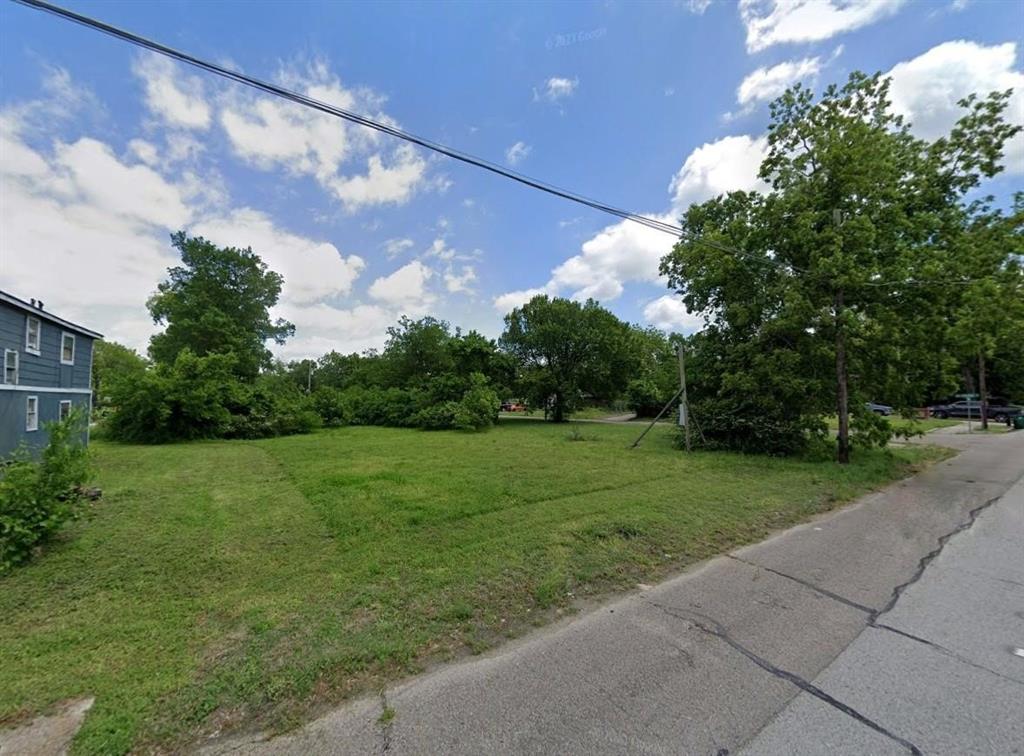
{"points": [[871, 269], [209, 373]]}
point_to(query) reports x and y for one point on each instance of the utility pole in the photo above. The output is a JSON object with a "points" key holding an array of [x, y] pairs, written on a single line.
{"points": [[684, 407], [309, 378]]}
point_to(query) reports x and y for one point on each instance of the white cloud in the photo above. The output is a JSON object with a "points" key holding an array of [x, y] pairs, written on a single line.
{"points": [[144, 151], [510, 300], [460, 282], [728, 164], [405, 288], [395, 247], [697, 6], [619, 254], [312, 270], [89, 232], [172, 95], [668, 313], [383, 184], [439, 249], [926, 89], [272, 134], [768, 83], [89, 173], [320, 328], [517, 153], [771, 22], [627, 252], [557, 88]]}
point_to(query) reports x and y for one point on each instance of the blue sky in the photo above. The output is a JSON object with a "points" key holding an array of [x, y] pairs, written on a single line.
{"points": [[650, 106]]}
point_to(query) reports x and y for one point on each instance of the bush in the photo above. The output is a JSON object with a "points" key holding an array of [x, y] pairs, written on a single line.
{"points": [[478, 407], [750, 426], [644, 398], [200, 397], [438, 417], [38, 497], [329, 404], [185, 400]]}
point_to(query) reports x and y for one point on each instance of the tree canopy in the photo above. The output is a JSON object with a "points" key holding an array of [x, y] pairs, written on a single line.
{"points": [[217, 302], [566, 350], [813, 290]]}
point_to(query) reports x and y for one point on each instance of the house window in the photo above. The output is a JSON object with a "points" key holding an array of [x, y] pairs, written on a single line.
{"points": [[33, 334], [31, 413], [65, 409], [67, 349], [10, 366]]}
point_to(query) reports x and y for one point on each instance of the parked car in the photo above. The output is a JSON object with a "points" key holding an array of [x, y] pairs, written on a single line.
{"points": [[513, 406], [999, 409], [879, 409]]}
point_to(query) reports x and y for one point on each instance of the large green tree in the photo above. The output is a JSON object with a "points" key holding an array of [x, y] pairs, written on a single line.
{"points": [[217, 301], [566, 351], [821, 277], [988, 317]]}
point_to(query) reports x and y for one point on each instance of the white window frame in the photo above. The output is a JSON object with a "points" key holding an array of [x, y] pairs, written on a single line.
{"points": [[65, 335], [32, 418], [17, 367], [60, 409], [37, 349]]}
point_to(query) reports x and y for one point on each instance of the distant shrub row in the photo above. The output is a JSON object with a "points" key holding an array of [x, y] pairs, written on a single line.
{"points": [[199, 397]]}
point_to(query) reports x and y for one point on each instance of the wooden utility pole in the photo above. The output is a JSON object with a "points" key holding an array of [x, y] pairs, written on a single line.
{"points": [[684, 407]]}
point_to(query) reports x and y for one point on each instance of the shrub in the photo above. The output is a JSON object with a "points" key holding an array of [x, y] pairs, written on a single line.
{"points": [[182, 401], [38, 496], [272, 406], [201, 397], [478, 407], [329, 404], [750, 426], [438, 417], [644, 398]]}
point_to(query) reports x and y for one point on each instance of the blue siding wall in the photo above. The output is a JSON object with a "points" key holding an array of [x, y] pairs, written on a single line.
{"points": [[12, 418], [43, 372], [45, 369]]}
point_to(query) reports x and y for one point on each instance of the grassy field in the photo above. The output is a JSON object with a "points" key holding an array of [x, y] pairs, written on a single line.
{"points": [[234, 584]]}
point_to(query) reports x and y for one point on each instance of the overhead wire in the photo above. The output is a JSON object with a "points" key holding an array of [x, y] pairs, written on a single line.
{"points": [[455, 154]]}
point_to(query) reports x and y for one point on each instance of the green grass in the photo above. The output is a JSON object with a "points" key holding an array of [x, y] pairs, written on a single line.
{"points": [[907, 424], [227, 584]]}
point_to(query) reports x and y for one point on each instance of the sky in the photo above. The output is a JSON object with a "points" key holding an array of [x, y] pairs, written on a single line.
{"points": [[106, 149]]}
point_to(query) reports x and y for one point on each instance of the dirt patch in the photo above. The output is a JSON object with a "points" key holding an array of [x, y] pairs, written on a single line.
{"points": [[46, 735]]}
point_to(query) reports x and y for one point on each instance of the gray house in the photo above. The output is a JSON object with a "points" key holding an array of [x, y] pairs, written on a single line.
{"points": [[47, 371]]}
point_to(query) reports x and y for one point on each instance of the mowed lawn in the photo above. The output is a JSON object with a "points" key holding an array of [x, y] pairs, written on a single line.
{"points": [[238, 584]]}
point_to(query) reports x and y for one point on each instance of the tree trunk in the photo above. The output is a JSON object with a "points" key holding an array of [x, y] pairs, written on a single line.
{"points": [[842, 393], [559, 408], [983, 391]]}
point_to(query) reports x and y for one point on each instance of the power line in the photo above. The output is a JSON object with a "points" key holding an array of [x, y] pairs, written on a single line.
{"points": [[301, 99], [350, 116]]}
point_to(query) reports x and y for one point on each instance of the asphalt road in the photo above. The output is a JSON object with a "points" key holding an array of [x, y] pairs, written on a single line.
{"points": [[886, 627]]}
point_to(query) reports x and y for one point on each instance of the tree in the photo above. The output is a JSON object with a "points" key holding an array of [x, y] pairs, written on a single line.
{"points": [[989, 317], [565, 349], [418, 350], [217, 302], [112, 362], [819, 277]]}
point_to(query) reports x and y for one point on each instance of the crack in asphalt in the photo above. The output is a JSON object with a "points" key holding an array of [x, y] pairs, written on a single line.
{"points": [[715, 629], [807, 584], [943, 650], [924, 561], [387, 716]]}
